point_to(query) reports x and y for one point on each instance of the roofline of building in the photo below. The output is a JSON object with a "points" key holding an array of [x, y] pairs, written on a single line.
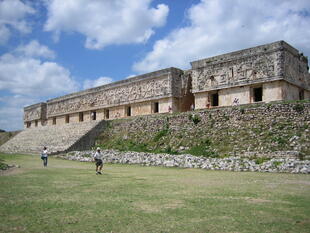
{"points": [[116, 84], [278, 45]]}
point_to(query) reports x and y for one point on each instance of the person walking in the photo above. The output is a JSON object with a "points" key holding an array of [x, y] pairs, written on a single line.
{"points": [[98, 160], [44, 156]]}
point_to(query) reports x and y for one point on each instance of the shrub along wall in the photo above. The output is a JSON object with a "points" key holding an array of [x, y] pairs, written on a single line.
{"points": [[260, 130]]}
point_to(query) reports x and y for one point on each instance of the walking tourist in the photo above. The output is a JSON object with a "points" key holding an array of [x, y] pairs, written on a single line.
{"points": [[44, 156], [98, 160]]}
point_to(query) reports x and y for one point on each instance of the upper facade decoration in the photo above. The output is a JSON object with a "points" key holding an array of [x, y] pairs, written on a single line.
{"points": [[133, 90], [259, 64], [35, 112]]}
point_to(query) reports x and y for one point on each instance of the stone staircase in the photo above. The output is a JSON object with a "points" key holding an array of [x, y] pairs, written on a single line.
{"points": [[57, 139]]}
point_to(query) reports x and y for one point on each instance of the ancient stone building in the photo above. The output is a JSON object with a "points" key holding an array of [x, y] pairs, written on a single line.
{"points": [[266, 73], [161, 91]]}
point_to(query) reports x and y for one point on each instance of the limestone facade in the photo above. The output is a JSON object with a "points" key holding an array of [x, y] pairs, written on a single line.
{"points": [[266, 73], [35, 115]]}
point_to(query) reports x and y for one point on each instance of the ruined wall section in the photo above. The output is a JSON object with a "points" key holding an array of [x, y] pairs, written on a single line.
{"points": [[156, 85], [249, 66]]}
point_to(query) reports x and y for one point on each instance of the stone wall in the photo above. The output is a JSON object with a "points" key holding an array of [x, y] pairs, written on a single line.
{"points": [[261, 129], [288, 165]]}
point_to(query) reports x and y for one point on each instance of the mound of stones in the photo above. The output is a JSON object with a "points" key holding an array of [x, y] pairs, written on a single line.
{"points": [[233, 163]]}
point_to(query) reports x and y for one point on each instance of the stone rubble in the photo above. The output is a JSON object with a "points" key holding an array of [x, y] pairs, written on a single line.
{"points": [[233, 163]]}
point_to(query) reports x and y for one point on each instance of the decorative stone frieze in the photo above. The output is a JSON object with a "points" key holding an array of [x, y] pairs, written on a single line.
{"points": [[166, 83], [35, 112], [260, 64]]}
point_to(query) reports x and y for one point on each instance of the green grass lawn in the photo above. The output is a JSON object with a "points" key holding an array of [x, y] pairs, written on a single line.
{"points": [[67, 196]]}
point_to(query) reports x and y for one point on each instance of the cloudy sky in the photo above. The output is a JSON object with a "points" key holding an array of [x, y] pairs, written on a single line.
{"points": [[53, 47]]}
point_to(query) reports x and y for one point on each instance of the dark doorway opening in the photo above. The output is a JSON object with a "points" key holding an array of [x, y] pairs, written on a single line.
{"points": [[67, 118], [107, 114], [128, 111], [94, 115], [258, 94], [301, 95], [81, 117], [156, 107], [215, 99]]}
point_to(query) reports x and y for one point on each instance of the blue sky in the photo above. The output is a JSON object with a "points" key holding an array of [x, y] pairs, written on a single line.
{"points": [[53, 47]]}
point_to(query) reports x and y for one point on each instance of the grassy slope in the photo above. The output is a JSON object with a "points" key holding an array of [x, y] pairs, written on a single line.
{"points": [[5, 136], [68, 197], [217, 136]]}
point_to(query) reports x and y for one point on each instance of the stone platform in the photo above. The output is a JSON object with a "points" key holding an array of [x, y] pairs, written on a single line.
{"points": [[74, 136]]}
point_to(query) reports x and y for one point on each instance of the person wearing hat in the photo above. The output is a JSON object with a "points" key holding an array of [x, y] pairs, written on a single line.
{"points": [[98, 160]]}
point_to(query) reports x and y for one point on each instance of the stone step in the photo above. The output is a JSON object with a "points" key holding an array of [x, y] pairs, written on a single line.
{"points": [[56, 138]]}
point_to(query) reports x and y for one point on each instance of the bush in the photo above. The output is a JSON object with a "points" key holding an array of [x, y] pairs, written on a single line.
{"points": [[201, 150], [261, 160], [161, 134], [279, 140], [3, 166], [195, 118], [299, 107], [277, 163]]}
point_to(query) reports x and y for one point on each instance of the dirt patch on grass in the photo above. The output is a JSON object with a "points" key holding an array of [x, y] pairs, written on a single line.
{"points": [[257, 200], [11, 171], [158, 207]]}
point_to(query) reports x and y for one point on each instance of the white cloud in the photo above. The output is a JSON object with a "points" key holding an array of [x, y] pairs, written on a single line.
{"points": [[97, 82], [12, 16], [25, 79], [35, 49], [29, 76], [220, 26], [106, 22], [11, 111]]}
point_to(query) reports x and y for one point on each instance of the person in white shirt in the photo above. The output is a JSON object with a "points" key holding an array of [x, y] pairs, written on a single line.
{"points": [[98, 160], [44, 156]]}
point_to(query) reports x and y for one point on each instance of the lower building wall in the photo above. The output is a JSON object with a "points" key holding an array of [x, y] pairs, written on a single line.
{"points": [[290, 92], [234, 96], [272, 91], [137, 109], [143, 108], [117, 112], [33, 124], [61, 120], [168, 105], [307, 95], [201, 100], [100, 114], [74, 117]]}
